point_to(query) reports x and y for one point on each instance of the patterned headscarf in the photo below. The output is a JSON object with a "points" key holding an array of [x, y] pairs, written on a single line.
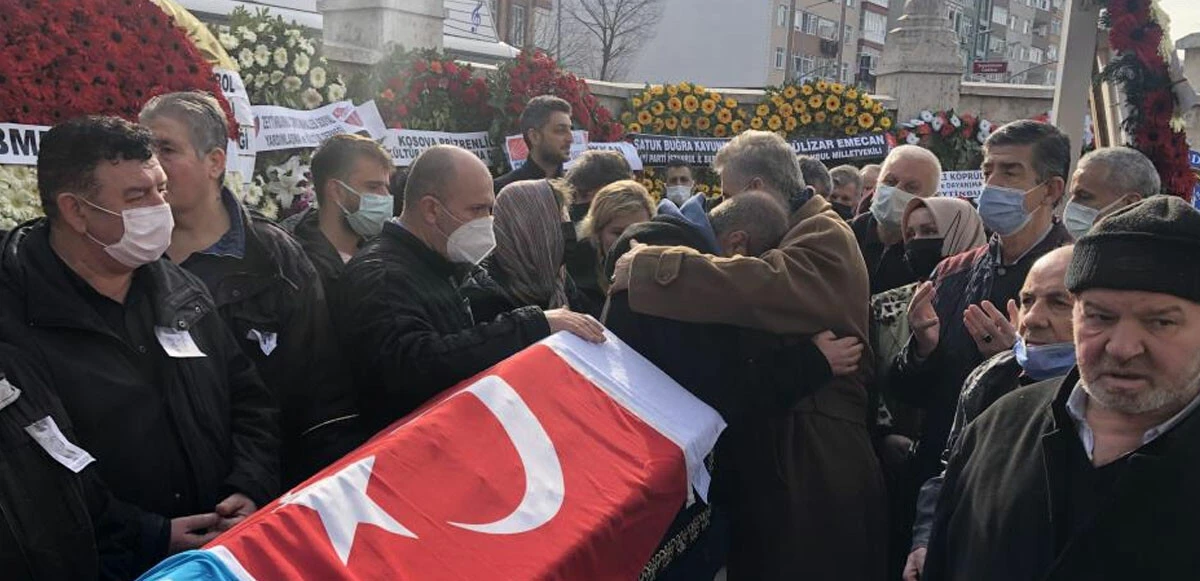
{"points": [[530, 244]]}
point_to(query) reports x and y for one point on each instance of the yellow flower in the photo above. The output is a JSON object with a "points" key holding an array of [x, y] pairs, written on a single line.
{"points": [[798, 106], [685, 122], [815, 101], [674, 104], [850, 110], [635, 128], [790, 124], [806, 90], [777, 101], [877, 109], [774, 123], [703, 123], [819, 117], [658, 125], [851, 130], [708, 106], [885, 122], [637, 102], [762, 110], [822, 86], [720, 131], [852, 94], [833, 103], [725, 116], [672, 90], [838, 120], [685, 87], [626, 117], [657, 108], [672, 123], [789, 92], [806, 118], [756, 123], [656, 90], [699, 89], [837, 88], [644, 117], [737, 126], [691, 103], [866, 120], [730, 103]]}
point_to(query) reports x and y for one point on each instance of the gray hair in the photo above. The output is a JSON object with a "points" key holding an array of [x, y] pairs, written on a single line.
{"points": [[1051, 147], [758, 214], [845, 174], [1128, 170], [208, 129], [815, 174], [763, 155]]}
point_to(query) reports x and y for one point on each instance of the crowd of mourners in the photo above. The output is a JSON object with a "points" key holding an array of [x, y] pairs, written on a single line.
{"points": [[916, 386]]}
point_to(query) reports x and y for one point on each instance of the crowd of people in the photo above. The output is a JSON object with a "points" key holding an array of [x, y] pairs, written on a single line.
{"points": [[916, 386]]}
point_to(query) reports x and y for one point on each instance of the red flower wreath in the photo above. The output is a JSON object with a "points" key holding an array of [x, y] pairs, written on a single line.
{"points": [[535, 73], [60, 60]]}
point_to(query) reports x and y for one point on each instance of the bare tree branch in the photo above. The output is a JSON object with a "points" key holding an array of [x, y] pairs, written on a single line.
{"points": [[615, 29]]}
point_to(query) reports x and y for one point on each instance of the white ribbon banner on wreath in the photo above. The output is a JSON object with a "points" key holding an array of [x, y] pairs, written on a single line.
{"points": [[516, 151], [279, 128], [961, 184], [405, 145], [19, 143]]}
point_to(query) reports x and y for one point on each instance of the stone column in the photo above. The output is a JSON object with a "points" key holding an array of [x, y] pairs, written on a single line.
{"points": [[362, 32], [920, 67]]}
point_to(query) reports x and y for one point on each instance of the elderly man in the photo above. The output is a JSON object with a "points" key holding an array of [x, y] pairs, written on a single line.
{"points": [[546, 128], [1105, 181], [183, 431], [264, 286], [1094, 476], [816, 175], [830, 499], [1044, 351], [847, 191], [870, 175], [408, 330], [908, 172]]}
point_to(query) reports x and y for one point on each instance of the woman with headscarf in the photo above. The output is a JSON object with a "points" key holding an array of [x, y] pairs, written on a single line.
{"points": [[526, 268], [616, 207], [933, 229]]}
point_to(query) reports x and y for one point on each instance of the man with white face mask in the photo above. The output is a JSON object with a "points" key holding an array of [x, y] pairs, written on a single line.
{"points": [[407, 328], [184, 431], [1105, 181], [680, 182], [908, 172]]}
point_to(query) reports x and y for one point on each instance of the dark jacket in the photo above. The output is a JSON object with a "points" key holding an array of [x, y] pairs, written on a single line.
{"points": [[273, 289], [171, 436], [934, 384], [1015, 506], [885, 264], [408, 331], [485, 289], [305, 227], [528, 171]]}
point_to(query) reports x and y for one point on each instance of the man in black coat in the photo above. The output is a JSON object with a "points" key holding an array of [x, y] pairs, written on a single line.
{"points": [[264, 287], [546, 130], [1094, 476], [407, 329], [157, 388]]}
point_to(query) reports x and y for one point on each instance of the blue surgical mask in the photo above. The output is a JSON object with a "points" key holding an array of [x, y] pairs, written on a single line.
{"points": [[1003, 209], [888, 206], [1042, 362], [1079, 218], [373, 211]]}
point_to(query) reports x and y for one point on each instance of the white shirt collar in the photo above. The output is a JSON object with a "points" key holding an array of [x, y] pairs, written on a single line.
{"points": [[1077, 404]]}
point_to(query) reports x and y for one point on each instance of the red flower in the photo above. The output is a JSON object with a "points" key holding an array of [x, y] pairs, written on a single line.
{"points": [[1158, 107], [420, 66], [1121, 8], [451, 68]]}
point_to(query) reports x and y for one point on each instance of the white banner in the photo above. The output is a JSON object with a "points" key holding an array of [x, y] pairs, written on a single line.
{"points": [[235, 93], [961, 184], [517, 152], [19, 143], [282, 128], [626, 149], [406, 144]]}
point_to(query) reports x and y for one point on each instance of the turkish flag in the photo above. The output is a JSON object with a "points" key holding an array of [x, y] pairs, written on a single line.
{"points": [[566, 461]]}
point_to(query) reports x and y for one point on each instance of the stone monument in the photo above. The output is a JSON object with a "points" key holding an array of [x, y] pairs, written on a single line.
{"points": [[362, 32], [920, 67]]}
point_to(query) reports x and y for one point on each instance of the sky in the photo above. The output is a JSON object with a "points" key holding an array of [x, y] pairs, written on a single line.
{"points": [[1185, 16]]}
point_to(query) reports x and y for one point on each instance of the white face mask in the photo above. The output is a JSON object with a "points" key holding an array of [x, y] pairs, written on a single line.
{"points": [[1079, 218], [147, 234], [679, 194], [472, 241]]}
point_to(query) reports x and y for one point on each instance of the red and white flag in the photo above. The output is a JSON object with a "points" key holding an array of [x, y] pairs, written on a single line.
{"points": [[566, 461]]}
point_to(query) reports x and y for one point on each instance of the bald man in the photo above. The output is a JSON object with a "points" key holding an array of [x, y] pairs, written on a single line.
{"points": [[405, 327], [908, 172]]}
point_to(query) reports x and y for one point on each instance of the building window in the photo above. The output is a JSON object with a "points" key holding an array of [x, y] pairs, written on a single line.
{"points": [[1051, 75], [516, 25], [778, 57], [1035, 56], [999, 15], [781, 16], [1056, 26], [808, 64], [850, 3], [1052, 53], [827, 29], [811, 23], [874, 27], [1012, 22], [1025, 26], [845, 72], [849, 34], [1024, 54]]}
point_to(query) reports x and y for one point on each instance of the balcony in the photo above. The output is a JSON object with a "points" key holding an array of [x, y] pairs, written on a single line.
{"points": [[829, 48]]}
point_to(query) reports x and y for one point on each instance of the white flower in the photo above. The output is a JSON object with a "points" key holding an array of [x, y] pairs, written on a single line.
{"points": [[937, 124], [262, 55], [228, 41], [292, 83], [281, 57], [246, 58], [926, 116], [291, 42], [247, 35], [983, 135], [260, 80], [912, 139], [301, 64], [985, 126], [261, 26], [317, 77], [311, 98], [276, 76], [955, 121], [306, 46], [1177, 124], [336, 92]]}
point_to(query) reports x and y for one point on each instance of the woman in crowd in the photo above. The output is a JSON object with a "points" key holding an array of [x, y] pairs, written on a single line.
{"points": [[526, 269], [616, 207]]}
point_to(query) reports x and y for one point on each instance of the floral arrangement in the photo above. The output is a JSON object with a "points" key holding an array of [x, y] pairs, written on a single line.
{"points": [[1137, 32], [278, 61], [425, 89], [534, 73], [683, 109], [819, 108], [956, 140], [707, 182], [19, 199]]}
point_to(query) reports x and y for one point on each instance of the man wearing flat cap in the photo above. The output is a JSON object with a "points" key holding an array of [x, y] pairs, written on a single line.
{"points": [[1094, 476]]}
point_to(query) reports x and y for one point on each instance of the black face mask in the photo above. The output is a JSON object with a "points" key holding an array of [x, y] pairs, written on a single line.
{"points": [[923, 255], [579, 211], [846, 212]]}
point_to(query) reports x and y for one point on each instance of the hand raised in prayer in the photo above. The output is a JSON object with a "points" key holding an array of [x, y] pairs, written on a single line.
{"points": [[991, 330], [923, 320]]}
